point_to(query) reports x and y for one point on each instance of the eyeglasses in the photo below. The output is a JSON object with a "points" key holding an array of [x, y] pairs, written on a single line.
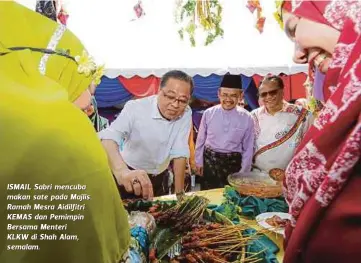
{"points": [[173, 99], [272, 93]]}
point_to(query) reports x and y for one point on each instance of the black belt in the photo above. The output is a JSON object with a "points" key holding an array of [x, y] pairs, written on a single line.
{"points": [[220, 154]]}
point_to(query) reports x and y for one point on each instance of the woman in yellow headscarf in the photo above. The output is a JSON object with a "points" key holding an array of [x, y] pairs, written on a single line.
{"points": [[46, 140]]}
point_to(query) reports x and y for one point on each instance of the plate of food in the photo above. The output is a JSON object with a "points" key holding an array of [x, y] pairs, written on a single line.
{"points": [[274, 221]]}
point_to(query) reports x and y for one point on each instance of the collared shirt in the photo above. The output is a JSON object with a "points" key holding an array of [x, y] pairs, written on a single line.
{"points": [[271, 128], [150, 141], [226, 131]]}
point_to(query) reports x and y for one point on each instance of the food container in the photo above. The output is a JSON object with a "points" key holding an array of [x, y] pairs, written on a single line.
{"points": [[255, 184]]}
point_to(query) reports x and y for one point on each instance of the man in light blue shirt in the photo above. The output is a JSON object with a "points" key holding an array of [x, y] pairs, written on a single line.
{"points": [[155, 131]]}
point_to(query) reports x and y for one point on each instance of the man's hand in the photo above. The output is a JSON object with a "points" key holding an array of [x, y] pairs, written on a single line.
{"points": [[135, 181], [200, 170]]}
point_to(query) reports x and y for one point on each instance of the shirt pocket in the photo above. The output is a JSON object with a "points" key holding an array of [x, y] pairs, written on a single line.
{"points": [[236, 135]]}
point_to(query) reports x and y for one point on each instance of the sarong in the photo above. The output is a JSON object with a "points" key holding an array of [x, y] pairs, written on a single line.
{"points": [[217, 167]]}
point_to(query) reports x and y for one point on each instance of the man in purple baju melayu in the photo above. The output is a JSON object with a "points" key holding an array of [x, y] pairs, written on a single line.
{"points": [[225, 138]]}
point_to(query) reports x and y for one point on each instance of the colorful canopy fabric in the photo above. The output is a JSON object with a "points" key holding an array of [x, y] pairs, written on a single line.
{"points": [[112, 92]]}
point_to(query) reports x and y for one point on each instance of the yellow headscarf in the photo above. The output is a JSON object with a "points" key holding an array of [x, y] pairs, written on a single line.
{"points": [[33, 30], [46, 140]]}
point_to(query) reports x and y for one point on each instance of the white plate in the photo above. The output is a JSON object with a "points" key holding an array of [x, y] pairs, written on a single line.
{"points": [[261, 220]]}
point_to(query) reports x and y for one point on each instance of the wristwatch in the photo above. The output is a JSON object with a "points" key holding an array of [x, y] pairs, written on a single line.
{"points": [[180, 195]]}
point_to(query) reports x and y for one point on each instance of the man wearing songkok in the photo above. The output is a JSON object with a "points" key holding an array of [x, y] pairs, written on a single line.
{"points": [[225, 138]]}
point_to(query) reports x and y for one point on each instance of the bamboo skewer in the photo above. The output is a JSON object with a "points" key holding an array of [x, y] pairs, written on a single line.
{"points": [[223, 242]]}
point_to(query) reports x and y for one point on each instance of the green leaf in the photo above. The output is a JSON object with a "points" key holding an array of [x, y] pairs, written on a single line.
{"points": [[182, 15], [228, 211], [210, 23], [164, 239], [181, 35], [191, 28], [210, 39]]}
